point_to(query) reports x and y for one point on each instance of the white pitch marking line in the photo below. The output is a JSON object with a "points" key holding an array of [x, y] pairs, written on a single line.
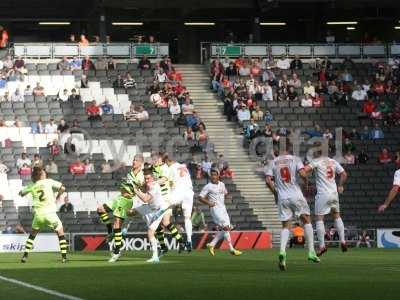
{"points": [[38, 288]]}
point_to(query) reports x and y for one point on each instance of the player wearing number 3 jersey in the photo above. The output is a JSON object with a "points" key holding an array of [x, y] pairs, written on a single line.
{"points": [[327, 198], [282, 180], [44, 206]]}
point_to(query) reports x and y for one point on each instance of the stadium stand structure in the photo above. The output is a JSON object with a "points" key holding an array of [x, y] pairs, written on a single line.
{"points": [[368, 184], [86, 191]]}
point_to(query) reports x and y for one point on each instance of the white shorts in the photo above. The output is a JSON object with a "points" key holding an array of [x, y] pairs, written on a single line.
{"points": [[148, 215], [220, 216], [324, 204], [294, 206], [183, 197]]}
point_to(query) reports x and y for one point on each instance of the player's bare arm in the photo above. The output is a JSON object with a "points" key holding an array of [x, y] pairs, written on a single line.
{"points": [[392, 195], [205, 201], [145, 197], [61, 191], [342, 180]]}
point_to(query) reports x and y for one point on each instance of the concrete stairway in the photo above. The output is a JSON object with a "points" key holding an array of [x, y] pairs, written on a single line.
{"points": [[228, 142]]}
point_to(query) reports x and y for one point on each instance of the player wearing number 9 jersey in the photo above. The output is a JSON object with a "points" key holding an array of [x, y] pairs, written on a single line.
{"points": [[182, 194], [327, 198], [282, 180], [44, 206]]}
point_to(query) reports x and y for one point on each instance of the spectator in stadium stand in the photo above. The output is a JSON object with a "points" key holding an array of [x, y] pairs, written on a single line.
{"points": [[327, 134], [87, 64], [128, 81], [244, 69], [17, 96], [364, 239], [107, 108], [111, 63], [257, 114], [144, 63], [37, 161], [54, 148], [93, 112], [365, 133], [206, 165], [397, 159], [359, 95], [174, 108], [63, 95], [347, 63], [51, 127], [37, 127], [3, 168], [362, 157], [67, 207], [202, 136], [119, 82], [51, 167], [243, 114], [341, 98], [187, 107], [198, 220], [8, 63], [346, 77], [38, 90], [100, 64], [28, 91], [105, 167], [25, 170], [283, 63], [136, 113], [307, 101], [385, 157], [76, 64], [62, 127], [296, 63], [3, 81], [369, 107], [268, 117], [231, 72], [295, 81], [76, 127], [69, 147], [297, 236], [64, 64], [83, 41], [23, 160], [164, 63], [89, 167], [309, 89], [376, 133], [74, 96], [315, 132], [251, 130], [349, 158], [161, 76], [317, 101], [3, 37], [354, 135], [77, 168]]}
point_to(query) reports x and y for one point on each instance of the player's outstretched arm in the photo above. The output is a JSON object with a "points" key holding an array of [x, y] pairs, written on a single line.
{"points": [[271, 185], [60, 192], [342, 180], [392, 195], [145, 197]]}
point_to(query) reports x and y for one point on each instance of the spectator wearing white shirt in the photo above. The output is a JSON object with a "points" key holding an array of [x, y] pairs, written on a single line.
{"points": [[51, 167], [307, 101], [206, 166], [174, 109], [295, 81], [283, 63], [3, 168], [243, 114], [309, 89], [51, 127], [187, 107], [63, 95], [23, 160], [267, 92], [161, 76], [359, 94], [89, 167]]}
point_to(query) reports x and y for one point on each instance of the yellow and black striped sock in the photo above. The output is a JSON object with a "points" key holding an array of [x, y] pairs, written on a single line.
{"points": [[29, 244], [117, 240], [106, 220], [63, 246], [161, 238], [174, 232]]}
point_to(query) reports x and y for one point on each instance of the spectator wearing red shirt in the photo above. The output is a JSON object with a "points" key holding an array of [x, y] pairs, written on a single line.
{"points": [[384, 157], [369, 107], [226, 172], [25, 170], [87, 64], [93, 112], [317, 101], [379, 88], [77, 168]]}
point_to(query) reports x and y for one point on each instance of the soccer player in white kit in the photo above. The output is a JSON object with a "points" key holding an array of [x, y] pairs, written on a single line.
{"points": [[282, 180], [182, 194], [327, 198], [149, 203], [213, 194], [393, 192]]}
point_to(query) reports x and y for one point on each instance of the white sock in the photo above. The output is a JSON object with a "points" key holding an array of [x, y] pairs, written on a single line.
{"points": [[309, 235], [153, 242], [227, 237], [321, 233], [218, 236], [188, 229], [284, 238], [340, 229]]}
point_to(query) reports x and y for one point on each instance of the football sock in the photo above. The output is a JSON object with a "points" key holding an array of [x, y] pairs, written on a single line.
{"points": [[161, 239], [174, 232], [117, 240], [227, 237], [284, 239], [218, 236], [188, 229], [340, 229], [106, 220], [63, 246], [29, 244], [320, 233], [153, 242], [309, 235]]}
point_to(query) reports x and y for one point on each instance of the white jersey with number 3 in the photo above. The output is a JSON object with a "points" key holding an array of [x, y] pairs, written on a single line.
{"points": [[180, 176], [284, 169], [325, 170]]}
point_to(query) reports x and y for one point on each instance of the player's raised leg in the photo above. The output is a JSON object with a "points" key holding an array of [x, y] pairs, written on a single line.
{"points": [[102, 211], [309, 236], [340, 229], [320, 227], [29, 245]]}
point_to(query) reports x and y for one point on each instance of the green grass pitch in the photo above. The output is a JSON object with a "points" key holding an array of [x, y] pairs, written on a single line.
{"points": [[358, 274]]}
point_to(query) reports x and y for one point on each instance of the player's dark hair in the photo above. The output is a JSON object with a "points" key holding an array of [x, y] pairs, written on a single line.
{"points": [[165, 157], [36, 174], [214, 170], [148, 171]]}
